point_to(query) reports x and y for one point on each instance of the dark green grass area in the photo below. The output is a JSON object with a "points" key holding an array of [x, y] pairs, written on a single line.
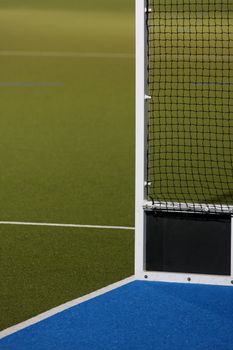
{"points": [[67, 152], [45, 267]]}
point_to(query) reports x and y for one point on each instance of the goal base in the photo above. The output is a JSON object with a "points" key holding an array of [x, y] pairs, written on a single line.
{"points": [[194, 248]]}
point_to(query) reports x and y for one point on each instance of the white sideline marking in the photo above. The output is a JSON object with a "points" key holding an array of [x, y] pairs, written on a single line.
{"points": [[65, 225], [12, 53], [63, 307]]}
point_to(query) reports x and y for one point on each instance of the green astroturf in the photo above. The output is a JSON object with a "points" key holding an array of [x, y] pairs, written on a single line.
{"points": [[67, 152], [44, 267], [96, 5]]}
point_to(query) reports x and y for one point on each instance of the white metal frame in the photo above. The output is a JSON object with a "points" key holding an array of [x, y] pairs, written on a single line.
{"points": [[140, 138], [141, 203], [190, 207]]}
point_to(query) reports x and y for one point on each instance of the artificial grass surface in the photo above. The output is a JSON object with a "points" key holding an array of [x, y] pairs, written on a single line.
{"points": [[90, 5], [57, 30], [44, 267], [67, 152]]}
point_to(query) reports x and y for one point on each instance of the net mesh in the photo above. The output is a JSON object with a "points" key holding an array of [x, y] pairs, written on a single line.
{"points": [[190, 112]]}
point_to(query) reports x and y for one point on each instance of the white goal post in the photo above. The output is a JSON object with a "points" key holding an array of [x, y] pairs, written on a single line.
{"points": [[143, 205]]}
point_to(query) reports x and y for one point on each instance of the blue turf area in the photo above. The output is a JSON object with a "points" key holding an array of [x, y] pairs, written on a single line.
{"points": [[140, 315]]}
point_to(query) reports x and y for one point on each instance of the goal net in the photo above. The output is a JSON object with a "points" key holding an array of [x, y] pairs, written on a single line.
{"points": [[189, 109]]}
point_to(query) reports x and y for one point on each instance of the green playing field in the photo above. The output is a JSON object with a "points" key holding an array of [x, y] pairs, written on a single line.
{"points": [[67, 150], [90, 5], [67, 139], [67, 122]]}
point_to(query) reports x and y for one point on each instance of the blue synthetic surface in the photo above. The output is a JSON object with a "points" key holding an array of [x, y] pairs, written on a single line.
{"points": [[140, 315]]}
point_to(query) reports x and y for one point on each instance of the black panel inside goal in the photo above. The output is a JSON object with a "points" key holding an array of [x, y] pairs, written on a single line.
{"points": [[188, 243]]}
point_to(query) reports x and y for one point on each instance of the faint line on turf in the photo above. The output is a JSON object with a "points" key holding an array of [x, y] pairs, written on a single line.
{"points": [[63, 307], [103, 227], [15, 53]]}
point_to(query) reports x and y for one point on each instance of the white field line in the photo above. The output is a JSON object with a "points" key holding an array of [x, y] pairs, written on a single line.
{"points": [[58, 54], [66, 225], [63, 307]]}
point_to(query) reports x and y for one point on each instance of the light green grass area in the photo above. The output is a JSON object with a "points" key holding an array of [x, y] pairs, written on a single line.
{"points": [[66, 150], [57, 30], [90, 5]]}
